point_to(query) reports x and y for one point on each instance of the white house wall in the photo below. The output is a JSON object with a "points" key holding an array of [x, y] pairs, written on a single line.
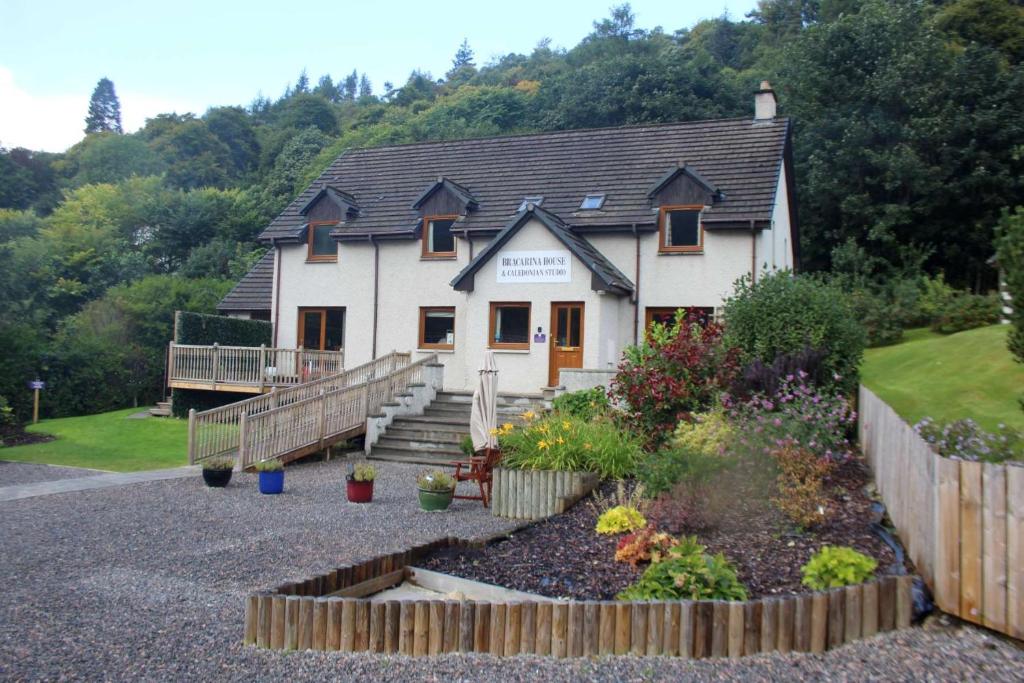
{"points": [[775, 248]]}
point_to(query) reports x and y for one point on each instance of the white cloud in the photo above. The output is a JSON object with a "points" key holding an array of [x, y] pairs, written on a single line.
{"points": [[54, 122]]}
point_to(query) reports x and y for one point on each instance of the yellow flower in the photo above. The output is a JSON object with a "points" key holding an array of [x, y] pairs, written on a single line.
{"points": [[507, 427], [542, 444], [560, 440], [529, 415], [566, 424], [494, 432]]}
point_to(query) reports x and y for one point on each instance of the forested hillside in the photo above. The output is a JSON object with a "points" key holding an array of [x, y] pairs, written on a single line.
{"points": [[909, 144]]}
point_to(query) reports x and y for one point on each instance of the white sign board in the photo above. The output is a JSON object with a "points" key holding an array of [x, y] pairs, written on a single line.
{"points": [[519, 267]]}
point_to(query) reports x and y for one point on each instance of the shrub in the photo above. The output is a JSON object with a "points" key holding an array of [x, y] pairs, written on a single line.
{"points": [[1010, 255], [837, 566], [218, 464], [199, 328], [967, 311], [435, 481], [646, 545], [624, 495], [364, 472], [466, 446], [619, 520], [586, 404], [678, 370], [760, 378], [882, 325], [934, 298], [687, 573], [782, 313], [798, 413], [966, 440], [566, 443], [801, 485], [684, 508], [663, 469], [269, 466]]}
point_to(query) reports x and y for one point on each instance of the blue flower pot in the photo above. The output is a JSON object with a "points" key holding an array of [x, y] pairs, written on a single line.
{"points": [[272, 482]]}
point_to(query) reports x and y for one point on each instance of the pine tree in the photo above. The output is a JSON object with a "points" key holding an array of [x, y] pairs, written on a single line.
{"points": [[463, 56], [302, 85], [351, 85], [365, 88], [104, 109]]}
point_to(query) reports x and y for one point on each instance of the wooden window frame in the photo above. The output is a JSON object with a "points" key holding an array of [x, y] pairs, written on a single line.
{"points": [[319, 258], [423, 320], [323, 324], [663, 224], [651, 311], [425, 252], [515, 346]]}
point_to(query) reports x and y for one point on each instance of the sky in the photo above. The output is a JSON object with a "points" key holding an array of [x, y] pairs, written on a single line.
{"points": [[189, 55]]}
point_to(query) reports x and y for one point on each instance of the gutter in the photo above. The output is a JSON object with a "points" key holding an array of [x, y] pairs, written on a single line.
{"points": [[277, 287], [753, 253], [376, 290], [636, 290]]}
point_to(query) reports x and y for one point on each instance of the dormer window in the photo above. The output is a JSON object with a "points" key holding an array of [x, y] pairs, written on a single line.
{"points": [[680, 230], [536, 201], [592, 201], [319, 243], [438, 240]]}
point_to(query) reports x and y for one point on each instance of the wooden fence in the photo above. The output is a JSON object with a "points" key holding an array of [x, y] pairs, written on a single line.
{"points": [[249, 366], [961, 522], [536, 494], [331, 612]]}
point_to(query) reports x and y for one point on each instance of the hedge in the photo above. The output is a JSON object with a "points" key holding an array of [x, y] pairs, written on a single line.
{"points": [[199, 328]]}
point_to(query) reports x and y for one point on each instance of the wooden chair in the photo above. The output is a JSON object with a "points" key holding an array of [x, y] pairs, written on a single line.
{"points": [[479, 468]]}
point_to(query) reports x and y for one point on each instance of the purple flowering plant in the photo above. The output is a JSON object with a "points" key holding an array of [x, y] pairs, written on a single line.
{"points": [[966, 440], [798, 413]]}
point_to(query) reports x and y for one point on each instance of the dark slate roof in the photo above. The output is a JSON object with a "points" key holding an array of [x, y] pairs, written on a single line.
{"points": [[464, 195], [683, 169], [739, 157], [606, 276], [254, 291], [344, 201]]}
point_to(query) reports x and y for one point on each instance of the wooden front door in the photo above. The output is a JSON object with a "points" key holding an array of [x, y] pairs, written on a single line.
{"points": [[322, 329], [566, 339]]}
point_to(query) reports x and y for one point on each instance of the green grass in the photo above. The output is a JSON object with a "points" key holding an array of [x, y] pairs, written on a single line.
{"points": [[949, 377], [108, 441]]}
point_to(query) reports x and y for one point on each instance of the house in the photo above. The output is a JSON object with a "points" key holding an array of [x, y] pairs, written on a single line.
{"points": [[554, 250]]}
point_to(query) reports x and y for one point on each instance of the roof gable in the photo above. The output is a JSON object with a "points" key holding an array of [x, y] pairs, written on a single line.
{"points": [[692, 182], [345, 202], [255, 290], [604, 275], [459, 193]]}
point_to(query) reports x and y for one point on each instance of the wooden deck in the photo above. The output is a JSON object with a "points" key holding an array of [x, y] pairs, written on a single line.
{"points": [[247, 369]]}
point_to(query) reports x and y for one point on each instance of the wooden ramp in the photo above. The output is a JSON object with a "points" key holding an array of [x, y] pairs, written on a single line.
{"points": [[291, 423]]}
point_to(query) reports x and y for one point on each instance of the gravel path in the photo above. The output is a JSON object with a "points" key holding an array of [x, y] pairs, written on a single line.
{"points": [[146, 582], [16, 473]]}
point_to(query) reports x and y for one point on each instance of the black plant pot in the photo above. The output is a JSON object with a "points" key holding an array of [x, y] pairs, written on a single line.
{"points": [[217, 478]]}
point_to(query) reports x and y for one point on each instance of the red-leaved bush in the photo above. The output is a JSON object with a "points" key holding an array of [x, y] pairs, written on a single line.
{"points": [[678, 370]]}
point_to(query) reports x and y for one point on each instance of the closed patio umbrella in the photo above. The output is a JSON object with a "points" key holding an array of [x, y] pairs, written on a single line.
{"points": [[484, 417]]}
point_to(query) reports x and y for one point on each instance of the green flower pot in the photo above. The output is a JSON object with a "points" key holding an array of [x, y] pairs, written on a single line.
{"points": [[435, 500]]}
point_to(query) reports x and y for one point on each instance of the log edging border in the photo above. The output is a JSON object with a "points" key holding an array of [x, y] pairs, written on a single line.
{"points": [[301, 616]]}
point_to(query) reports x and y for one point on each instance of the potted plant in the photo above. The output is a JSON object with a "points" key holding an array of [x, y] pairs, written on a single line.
{"points": [[217, 471], [436, 490], [359, 483], [271, 476]]}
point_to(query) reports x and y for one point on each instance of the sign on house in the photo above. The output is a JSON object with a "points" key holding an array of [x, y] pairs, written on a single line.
{"points": [[524, 267]]}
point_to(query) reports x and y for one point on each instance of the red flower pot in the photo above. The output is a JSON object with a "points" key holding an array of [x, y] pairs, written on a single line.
{"points": [[359, 491]]}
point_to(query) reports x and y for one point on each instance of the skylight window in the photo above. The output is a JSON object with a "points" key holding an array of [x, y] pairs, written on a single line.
{"points": [[536, 201], [592, 201]]}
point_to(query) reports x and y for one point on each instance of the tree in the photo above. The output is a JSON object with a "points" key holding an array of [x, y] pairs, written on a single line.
{"points": [[194, 155], [302, 83], [326, 89], [1010, 256], [305, 110], [108, 158], [350, 86], [232, 126], [104, 109], [365, 88], [618, 25]]}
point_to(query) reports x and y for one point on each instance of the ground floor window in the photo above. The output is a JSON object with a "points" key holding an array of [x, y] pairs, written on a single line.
{"points": [[322, 328], [437, 327], [510, 325], [666, 314]]}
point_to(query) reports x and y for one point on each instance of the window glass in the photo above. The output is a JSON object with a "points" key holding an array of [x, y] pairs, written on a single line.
{"points": [[334, 329], [682, 229], [440, 237], [437, 326], [311, 322], [323, 245], [511, 324], [592, 201]]}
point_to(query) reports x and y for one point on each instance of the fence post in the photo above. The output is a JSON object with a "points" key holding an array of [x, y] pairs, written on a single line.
{"points": [[170, 363], [263, 365], [302, 366], [242, 454], [216, 363], [323, 416], [191, 436]]}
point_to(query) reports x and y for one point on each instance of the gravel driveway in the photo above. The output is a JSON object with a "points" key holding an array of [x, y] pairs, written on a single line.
{"points": [[146, 582]]}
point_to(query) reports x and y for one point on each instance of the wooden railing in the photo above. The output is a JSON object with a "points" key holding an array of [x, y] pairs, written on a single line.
{"points": [[257, 366], [961, 522], [309, 424]]}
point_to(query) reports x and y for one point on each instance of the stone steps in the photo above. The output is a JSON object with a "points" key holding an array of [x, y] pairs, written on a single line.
{"points": [[162, 409]]}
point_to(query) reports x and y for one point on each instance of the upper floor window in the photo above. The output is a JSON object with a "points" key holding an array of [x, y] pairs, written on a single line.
{"points": [[592, 201], [321, 246], [679, 229], [438, 240]]}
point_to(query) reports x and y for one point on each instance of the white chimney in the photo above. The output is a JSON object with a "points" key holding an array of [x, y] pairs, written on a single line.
{"points": [[764, 103]]}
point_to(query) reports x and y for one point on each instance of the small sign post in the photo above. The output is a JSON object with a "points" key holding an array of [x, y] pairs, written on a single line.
{"points": [[36, 386]]}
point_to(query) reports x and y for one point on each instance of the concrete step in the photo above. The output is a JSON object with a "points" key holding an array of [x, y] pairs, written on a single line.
{"points": [[507, 400], [459, 409], [388, 442], [412, 458], [160, 412], [401, 448], [436, 435], [438, 421]]}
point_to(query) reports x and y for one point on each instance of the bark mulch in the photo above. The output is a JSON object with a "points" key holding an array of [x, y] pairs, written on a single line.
{"points": [[17, 436], [564, 557]]}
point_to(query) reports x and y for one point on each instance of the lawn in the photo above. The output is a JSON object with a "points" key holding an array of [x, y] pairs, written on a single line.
{"points": [[948, 377], [108, 441]]}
